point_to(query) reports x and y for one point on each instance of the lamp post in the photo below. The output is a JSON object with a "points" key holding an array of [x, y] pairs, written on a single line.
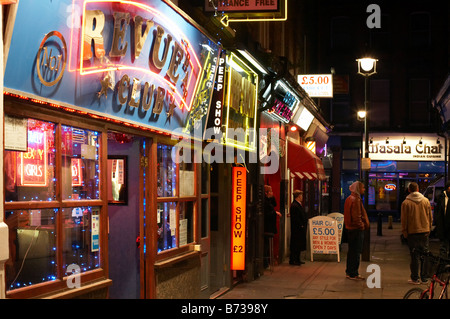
{"points": [[366, 67]]}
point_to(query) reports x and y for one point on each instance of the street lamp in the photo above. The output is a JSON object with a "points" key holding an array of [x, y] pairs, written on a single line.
{"points": [[361, 115], [366, 67]]}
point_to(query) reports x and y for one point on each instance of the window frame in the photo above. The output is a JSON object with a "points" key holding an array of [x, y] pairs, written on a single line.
{"points": [[60, 283], [177, 199]]}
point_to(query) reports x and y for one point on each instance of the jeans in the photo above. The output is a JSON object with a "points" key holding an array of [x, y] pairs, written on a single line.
{"points": [[417, 243], [355, 238]]}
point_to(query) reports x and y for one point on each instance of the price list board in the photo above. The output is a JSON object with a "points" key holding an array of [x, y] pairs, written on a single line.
{"points": [[324, 236]]}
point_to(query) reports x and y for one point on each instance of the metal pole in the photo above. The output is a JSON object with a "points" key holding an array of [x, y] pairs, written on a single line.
{"points": [[366, 244]]}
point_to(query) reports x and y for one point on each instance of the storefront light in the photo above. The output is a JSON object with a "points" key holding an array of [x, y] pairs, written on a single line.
{"points": [[234, 65], [255, 63]]}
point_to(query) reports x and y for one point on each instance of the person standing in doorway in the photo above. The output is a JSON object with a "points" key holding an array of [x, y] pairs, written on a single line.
{"points": [[416, 226], [270, 221], [442, 218], [299, 222], [356, 221]]}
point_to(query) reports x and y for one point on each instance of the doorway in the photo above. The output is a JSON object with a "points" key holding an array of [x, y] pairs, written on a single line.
{"points": [[220, 274], [125, 198]]}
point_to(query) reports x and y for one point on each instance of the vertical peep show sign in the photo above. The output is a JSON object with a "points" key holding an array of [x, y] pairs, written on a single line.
{"points": [[143, 64], [323, 236], [238, 217]]}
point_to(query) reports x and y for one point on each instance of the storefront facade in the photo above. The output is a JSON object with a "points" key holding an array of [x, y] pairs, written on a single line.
{"points": [[398, 159], [99, 201]]}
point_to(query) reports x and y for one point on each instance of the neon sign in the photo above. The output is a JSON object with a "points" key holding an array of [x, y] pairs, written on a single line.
{"points": [[390, 187], [33, 163], [77, 177], [163, 55], [241, 102], [238, 216]]}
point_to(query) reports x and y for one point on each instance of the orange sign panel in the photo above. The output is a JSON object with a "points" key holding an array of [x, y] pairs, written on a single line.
{"points": [[238, 216]]}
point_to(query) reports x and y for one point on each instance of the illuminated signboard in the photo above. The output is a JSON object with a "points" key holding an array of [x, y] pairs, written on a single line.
{"points": [[248, 5], [238, 216], [33, 163], [390, 187], [133, 62], [406, 147], [317, 85], [285, 102], [248, 10], [215, 112], [241, 103], [303, 118]]}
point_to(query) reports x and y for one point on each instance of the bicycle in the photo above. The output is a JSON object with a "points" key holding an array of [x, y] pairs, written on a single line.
{"points": [[440, 267]]}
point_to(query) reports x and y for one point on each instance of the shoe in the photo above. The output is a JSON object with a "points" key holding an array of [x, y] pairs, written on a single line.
{"points": [[302, 262], [414, 282], [296, 263], [358, 277]]}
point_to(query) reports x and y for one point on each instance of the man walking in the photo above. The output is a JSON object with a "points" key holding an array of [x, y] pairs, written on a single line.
{"points": [[442, 218], [416, 226], [356, 221], [299, 223]]}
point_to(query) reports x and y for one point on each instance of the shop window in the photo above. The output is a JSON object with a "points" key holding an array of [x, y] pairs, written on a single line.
{"points": [[176, 199], [419, 25], [80, 163], [81, 237], [167, 226], [45, 235], [166, 172], [419, 96], [30, 175], [379, 103], [384, 194], [32, 247]]}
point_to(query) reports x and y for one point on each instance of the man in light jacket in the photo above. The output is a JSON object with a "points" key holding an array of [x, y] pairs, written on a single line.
{"points": [[416, 226]]}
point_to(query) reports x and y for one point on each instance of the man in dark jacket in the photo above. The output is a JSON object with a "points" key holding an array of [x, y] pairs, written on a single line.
{"points": [[299, 223], [356, 221], [270, 221], [442, 218]]}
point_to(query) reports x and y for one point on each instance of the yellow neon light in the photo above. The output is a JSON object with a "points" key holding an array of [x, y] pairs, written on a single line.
{"points": [[226, 21], [173, 27], [252, 144]]}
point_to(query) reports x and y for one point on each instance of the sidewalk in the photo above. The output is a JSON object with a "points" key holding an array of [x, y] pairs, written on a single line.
{"points": [[324, 278]]}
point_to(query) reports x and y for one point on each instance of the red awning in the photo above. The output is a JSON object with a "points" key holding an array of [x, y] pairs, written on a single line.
{"points": [[304, 164]]}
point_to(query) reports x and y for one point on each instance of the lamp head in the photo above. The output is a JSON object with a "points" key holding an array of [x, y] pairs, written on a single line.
{"points": [[367, 66]]}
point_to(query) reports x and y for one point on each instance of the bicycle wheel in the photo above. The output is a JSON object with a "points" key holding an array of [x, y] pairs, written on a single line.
{"points": [[413, 293]]}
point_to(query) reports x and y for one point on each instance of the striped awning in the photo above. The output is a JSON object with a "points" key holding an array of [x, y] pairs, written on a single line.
{"points": [[304, 164]]}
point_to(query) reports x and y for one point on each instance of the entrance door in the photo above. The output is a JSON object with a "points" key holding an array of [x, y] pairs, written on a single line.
{"points": [[220, 275], [205, 242], [125, 216]]}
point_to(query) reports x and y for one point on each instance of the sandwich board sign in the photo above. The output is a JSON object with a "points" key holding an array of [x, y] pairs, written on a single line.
{"points": [[324, 236], [340, 223]]}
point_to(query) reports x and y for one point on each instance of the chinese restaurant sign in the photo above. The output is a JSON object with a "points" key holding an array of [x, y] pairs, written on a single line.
{"points": [[129, 61], [238, 216]]}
